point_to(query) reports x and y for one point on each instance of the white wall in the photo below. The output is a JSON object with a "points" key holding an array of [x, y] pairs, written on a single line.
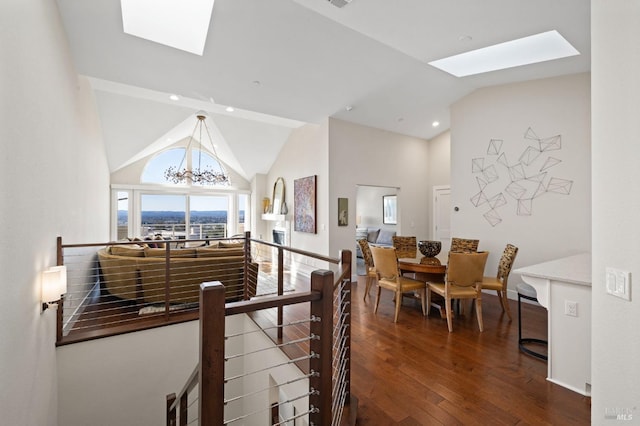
{"points": [[123, 380], [559, 225], [304, 154], [54, 182], [361, 155], [616, 184]]}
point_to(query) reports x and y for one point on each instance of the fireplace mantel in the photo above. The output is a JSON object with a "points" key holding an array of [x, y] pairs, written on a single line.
{"points": [[274, 217]]}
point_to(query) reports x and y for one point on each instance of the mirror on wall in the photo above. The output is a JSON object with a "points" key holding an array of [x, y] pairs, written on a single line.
{"points": [[278, 197]]}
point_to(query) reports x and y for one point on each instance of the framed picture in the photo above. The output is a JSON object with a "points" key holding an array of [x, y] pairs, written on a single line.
{"points": [[390, 209], [343, 211], [304, 204]]}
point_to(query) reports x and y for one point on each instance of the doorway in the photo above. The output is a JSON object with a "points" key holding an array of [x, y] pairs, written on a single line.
{"points": [[442, 216]]}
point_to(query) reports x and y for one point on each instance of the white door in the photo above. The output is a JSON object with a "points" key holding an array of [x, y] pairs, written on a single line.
{"points": [[442, 216]]}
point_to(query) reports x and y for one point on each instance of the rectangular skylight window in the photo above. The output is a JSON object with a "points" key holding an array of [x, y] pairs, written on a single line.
{"points": [[179, 24], [528, 50]]}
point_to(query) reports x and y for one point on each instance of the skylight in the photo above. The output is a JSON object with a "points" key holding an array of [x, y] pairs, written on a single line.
{"points": [[528, 50], [179, 24]]}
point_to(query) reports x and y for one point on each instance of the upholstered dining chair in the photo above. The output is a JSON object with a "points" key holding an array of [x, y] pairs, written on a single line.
{"points": [[499, 282], [462, 281], [405, 246], [389, 278], [463, 245], [368, 262]]}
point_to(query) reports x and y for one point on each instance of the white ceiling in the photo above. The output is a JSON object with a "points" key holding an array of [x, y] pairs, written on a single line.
{"points": [[311, 60]]}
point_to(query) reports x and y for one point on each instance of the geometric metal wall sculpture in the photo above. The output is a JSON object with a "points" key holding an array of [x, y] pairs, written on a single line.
{"points": [[528, 178]]}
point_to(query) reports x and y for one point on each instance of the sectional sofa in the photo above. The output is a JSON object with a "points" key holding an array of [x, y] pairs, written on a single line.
{"points": [[136, 272], [375, 236]]}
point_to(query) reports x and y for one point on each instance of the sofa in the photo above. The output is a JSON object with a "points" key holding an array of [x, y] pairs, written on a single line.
{"points": [[138, 272], [375, 236]]}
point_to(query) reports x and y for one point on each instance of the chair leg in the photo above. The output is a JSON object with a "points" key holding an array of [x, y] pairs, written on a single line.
{"points": [[428, 300], [448, 309], [398, 304], [505, 304], [423, 292], [375, 310], [367, 287], [479, 313]]}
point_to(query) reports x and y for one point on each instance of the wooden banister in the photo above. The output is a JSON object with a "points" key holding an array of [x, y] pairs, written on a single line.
{"points": [[321, 281], [211, 389]]}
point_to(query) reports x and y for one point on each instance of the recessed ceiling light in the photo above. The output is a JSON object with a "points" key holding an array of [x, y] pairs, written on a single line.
{"points": [[229, 109], [528, 50], [174, 97], [348, 108], [400, 119], [256, 82], [179, 24], [435, 123]]}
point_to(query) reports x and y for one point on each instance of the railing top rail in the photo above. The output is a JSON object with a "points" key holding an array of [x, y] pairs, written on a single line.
{"points": [[109, 243], [297, 251], [247, 306], [191, 382]]}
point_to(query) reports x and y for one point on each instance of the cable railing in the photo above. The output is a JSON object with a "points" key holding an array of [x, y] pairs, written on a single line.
{"points": [[246, 376], [119, 287], [126, 286]]}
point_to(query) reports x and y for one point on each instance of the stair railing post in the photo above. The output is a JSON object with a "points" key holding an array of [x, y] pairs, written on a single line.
{"points": [[247, 259], [171, 413], [212, 329], [280, 288], [321, 346], [345, 260]]}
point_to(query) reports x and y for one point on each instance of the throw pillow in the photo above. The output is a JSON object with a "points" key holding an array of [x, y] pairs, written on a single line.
{"points": [[132, 250], [372, 235], [226, 244], [385, 237]]}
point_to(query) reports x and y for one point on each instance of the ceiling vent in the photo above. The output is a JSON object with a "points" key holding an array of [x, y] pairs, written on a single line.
{"points": [[339, 3]]}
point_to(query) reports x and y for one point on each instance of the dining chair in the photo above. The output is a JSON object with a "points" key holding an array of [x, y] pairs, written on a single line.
{"points": [[405, 246], [390, 278], [368, 262], [499, 282], [463, 245], [462, 281]]}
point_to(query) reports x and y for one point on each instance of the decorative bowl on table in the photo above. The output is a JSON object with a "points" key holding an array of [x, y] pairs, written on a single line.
{"points": [[429, 248]]}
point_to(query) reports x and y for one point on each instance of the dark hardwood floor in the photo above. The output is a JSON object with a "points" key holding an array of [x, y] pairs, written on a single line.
{"points": [[415, 372]]}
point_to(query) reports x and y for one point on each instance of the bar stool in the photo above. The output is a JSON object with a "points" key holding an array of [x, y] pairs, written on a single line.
{"points": [[527, 292]]}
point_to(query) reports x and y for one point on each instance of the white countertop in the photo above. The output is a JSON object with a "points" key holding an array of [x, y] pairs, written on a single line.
{"points": [[573, 269]]}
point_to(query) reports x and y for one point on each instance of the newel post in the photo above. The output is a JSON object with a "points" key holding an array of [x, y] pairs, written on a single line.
{"points": [[247, 260], [321, 346], [345, 260], [211, 388]]}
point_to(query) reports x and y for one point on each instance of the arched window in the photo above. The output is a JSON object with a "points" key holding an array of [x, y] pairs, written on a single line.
{"points": [[154, 171]]}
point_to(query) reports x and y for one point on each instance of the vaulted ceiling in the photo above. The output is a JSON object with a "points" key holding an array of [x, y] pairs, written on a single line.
{"points": [[282, 63]]}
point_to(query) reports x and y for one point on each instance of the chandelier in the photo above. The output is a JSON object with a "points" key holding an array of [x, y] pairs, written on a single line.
{"points": [[202, 175]]}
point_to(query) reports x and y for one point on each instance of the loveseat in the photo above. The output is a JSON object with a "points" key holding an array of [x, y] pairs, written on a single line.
{"points": [[375, 236], [135, 272]]}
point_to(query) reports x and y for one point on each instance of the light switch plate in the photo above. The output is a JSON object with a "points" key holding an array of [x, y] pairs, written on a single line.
{"points": [[618, 283]]}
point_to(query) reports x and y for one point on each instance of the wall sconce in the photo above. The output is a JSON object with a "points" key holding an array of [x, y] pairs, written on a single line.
{"points": [[54, 285]]}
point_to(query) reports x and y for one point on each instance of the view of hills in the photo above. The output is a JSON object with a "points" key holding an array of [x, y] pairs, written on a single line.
{"points": [[156, 217]]}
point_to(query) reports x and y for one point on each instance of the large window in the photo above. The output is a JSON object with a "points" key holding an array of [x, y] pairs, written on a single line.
{"points": [[157, 207], [208, 216], [163, 215]]}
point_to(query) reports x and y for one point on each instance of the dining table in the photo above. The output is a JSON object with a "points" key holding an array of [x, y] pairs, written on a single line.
{"points": [[427, 269]]}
